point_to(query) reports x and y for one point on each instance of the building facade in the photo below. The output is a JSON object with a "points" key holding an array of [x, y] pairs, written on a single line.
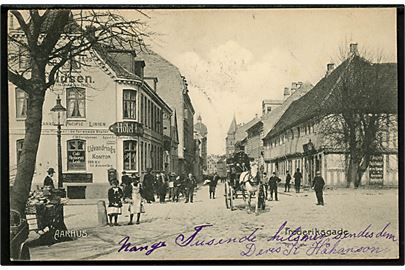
{"points": [[114, 120], [172, 87], [272, 111], [300, 138]]}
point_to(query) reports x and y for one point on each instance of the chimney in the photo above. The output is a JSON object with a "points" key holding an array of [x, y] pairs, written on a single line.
{"points": [[294, 87], [139, 66], [152, 81], [329, 68], [286, 92], [353, 49]]}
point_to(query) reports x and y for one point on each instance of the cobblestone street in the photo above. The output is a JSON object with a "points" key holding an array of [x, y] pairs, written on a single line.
{"points": [[345, 209]]}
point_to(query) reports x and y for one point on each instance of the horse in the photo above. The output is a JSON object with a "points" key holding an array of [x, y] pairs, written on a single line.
{"points": [[249, 181]]}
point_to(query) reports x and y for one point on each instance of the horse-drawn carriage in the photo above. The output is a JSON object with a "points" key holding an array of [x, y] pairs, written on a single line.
{"points": [[244, 180]]}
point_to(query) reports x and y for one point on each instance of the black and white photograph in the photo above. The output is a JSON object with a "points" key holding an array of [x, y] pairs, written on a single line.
{"points": [[170, 134]]}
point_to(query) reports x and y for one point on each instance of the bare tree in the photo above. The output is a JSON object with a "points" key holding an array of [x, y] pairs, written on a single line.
{"points": [[48, 40], [365, 114]]}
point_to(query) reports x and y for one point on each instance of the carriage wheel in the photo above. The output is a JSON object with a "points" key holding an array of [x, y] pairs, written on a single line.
{"points": [[226, 195], [231, 199]]}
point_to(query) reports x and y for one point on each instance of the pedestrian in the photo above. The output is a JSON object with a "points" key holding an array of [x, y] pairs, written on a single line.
{"points": [[287, 182], [297, 180], [190, 184], [265, 183], [162, 187], [318, 184], [136, 206], [176, 188], [172, 178], [48, 181], [125, 184], [273, 182], [115, 195], [148, 186], [213, 185]]}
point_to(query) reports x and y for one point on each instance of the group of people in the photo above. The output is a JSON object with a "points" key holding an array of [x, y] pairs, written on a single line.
{"points": [[271, 184], [135, 192]]}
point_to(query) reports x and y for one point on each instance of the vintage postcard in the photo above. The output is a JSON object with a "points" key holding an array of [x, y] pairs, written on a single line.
{"points": [[201, 134]]}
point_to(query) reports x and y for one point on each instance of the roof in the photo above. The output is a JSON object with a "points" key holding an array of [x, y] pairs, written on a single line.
{"points": [[122, 73], [232, 128], [372, 87], [201, 128], [271, 118], [241, 134]]}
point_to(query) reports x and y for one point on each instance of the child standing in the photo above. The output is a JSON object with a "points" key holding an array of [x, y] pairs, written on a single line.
{"points": [[115, 196], [136, 205]]}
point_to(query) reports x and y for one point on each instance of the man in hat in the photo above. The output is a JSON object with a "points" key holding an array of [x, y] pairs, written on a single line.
{"points": [[273, 183], [287, 182], [148, 186], [213, 185], [297, 180], [48, 181], [190, 184], [125, 183], [318, 184]]}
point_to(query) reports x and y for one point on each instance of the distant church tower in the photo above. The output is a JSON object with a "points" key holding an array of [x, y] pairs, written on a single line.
{"points": [[230, 138]]}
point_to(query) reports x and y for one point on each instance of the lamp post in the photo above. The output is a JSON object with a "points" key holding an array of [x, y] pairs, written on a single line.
{"points": [[59, 117]]}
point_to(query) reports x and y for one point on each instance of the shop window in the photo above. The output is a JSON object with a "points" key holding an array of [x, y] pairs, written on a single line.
{"points": [[76, 192], [130, 155], [129, 104], [19, 144], [76, 102], [76, 151], [21, 103]]}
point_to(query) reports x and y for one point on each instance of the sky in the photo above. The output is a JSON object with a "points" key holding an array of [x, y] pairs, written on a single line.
{"points": [[234, 58]]}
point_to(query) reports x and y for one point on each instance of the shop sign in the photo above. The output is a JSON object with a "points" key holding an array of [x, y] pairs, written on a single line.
{"points": [[127, 128], [77, 177], [376, 170]]}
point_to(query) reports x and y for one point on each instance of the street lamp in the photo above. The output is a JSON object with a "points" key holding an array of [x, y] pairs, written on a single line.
{"points": [[59, 118]]}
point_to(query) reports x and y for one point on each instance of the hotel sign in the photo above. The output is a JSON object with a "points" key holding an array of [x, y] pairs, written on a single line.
{"points": [[127, 128]]}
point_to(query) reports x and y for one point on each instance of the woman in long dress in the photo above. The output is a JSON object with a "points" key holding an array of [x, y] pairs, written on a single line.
{"points": [[136, 205]]}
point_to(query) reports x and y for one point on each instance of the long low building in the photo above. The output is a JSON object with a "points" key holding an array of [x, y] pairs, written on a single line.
{"points": [[305, 135]]}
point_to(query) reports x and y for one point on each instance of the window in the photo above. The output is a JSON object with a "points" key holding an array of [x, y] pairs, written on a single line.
{"points": [[185, 114], [24, 60], [19, 144], [298, 132], [76, 154], [21, 103], [141, 116], [142, 157], [129, 105], [129, 155], [76, 102]]}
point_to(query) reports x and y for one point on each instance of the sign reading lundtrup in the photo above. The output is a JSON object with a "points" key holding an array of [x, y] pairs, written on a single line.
{"points": [[376, 170], [127, 128]]}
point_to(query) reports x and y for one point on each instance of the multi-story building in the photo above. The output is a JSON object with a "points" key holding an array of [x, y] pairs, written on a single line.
{"points": [[173, 89], [115, 119], [301, 137], [201, 129], [272, 111]]}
